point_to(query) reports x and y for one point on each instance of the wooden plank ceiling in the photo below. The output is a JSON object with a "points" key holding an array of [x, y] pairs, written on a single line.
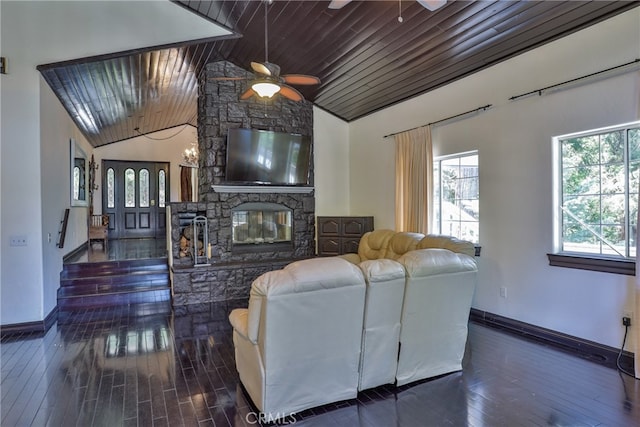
{"points": [[365, 58]]}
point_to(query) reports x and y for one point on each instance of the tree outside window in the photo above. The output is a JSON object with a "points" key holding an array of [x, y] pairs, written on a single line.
{"points": [[598, 192]]}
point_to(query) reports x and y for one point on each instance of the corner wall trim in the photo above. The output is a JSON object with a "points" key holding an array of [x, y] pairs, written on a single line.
{"points": [[38, 327], [582, 348]]}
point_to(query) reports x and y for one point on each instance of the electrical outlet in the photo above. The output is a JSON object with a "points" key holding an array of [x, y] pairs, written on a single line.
{"points": [[626, 321], [18, 241], [503, 291]]}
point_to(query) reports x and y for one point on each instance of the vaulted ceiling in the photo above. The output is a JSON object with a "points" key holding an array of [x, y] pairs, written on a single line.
{"points": [[365, 58]]}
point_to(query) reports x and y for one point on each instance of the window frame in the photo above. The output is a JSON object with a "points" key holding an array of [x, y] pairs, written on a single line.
{"points": [[582, 260], [436, 222]]}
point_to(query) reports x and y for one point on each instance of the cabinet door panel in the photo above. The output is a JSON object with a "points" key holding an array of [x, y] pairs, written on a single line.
{"points": [[341, 235], [328, 246], [350, 246], [353, 227], [329, 226]]}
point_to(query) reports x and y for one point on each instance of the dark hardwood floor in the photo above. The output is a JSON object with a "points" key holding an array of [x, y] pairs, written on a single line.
{"points": [[138, 366], [121, 249]]}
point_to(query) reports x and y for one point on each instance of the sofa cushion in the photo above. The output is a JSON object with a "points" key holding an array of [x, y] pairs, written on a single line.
{"points": [[381, 270], [432, 262], [447, 242], [373, 244], [308, 275], [401, 243], [381, 333]]}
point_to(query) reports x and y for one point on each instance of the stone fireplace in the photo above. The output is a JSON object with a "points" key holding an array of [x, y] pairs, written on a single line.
{"points": [[251, 229]]}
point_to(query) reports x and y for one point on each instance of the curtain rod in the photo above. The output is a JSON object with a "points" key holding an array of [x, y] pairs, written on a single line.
{"points": [[483, 108], [539, 91]]}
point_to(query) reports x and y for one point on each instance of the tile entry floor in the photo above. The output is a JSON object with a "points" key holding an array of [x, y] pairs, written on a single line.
{"points": [[136, 367]]}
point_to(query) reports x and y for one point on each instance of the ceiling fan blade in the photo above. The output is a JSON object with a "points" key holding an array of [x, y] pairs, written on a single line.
{"points": [[338, 4], [432, 4], [266, 68], [260, 68], [248, 94], [301, 79], [290, 93]]}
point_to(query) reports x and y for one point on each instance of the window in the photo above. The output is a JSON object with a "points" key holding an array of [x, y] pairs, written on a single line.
{"points": [[162, 198], [143, 182], [597, 182], [456, 196], [111, 192], [129, 188]]}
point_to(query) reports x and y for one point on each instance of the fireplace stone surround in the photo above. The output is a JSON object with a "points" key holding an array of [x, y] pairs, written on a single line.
{"points": [[233, 267]]}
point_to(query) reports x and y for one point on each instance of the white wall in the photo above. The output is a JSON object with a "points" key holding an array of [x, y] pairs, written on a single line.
{"points": [[515, 155], [57, 129], [34, 33], [163, 146], [331, 162]]}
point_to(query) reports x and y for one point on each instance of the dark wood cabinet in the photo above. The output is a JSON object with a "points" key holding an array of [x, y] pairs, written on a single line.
{"points": [[339, 235]]}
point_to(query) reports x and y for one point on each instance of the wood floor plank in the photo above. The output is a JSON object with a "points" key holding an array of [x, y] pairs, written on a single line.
{"points": [[111, 368]]}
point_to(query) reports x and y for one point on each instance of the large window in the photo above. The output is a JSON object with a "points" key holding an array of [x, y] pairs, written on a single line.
{"points": [[597, 182], [456, 196]]}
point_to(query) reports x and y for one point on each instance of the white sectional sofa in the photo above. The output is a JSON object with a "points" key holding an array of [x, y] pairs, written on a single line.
{"points": [[321, 329]]}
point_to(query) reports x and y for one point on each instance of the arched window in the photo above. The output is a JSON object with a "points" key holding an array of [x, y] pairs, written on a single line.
{"points": [[161, 189], [129, 188], [76, 183], [144, 188], [111, 192]]}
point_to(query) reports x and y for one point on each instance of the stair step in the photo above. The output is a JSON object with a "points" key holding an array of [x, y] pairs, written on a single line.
{"points": [[113, 283], [72, 291], [108, 268], [116, 279], [113, 299]]}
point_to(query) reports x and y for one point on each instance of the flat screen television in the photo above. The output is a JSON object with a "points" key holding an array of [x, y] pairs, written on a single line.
{"points": [[269, 158]]}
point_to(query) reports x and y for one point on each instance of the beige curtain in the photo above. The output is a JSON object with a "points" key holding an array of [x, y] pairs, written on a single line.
{"points": [[188, 184], [186, 194], [414, 180]]}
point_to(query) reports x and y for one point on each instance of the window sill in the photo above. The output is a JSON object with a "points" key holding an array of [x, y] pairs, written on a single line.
{"points": [[605, 265]]}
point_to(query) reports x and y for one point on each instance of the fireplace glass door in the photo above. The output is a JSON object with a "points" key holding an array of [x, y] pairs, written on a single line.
{"points": [[261, 223]]}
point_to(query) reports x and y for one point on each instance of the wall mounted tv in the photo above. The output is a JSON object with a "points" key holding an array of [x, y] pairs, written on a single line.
{"points": [[269, 158]]}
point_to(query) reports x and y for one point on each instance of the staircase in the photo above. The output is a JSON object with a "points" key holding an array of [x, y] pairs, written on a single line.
{"points": [[113, 283]]}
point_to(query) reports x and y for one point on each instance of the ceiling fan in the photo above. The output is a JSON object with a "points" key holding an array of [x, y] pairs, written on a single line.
{"points": [[267, 81], [429, 4]]}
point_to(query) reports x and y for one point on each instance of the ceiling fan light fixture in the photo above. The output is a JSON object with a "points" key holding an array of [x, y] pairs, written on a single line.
{"points": [[432, 5], [265, 88]]}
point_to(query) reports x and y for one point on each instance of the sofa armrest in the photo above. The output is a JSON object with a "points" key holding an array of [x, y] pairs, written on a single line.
{"points": [[239, 319], [352, 258]]}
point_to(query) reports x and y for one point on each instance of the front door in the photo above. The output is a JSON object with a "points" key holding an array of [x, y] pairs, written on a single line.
{"points": [[134, 196]]}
